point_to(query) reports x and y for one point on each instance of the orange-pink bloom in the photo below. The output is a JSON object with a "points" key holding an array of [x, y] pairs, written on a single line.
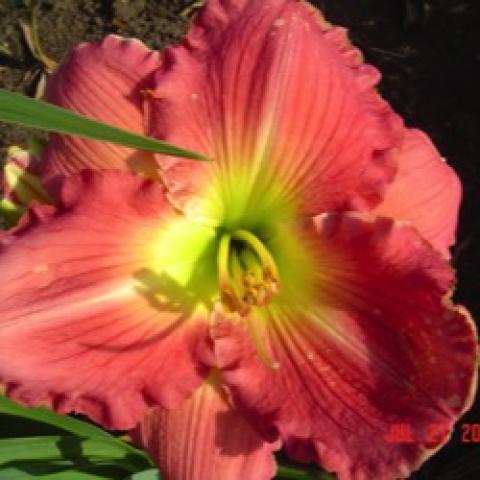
{"points": [[293, 291]]}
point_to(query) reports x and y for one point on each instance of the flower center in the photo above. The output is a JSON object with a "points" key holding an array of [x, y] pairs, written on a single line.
{"points": [[247, 272]]}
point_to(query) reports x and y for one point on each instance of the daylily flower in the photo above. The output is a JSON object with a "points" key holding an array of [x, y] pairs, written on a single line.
{"points": [[295, 290]]}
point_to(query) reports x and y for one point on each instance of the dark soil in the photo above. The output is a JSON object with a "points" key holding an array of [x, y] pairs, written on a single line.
{"points": [[427, 50]]}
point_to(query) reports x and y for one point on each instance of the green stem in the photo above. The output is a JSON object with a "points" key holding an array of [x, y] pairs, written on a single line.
{"points": [[295, 473]]}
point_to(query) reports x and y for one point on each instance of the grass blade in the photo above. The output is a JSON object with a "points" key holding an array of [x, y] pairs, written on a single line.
{"points": [[67, 424], [22, 110], [151, 474], [43, 415], [55, 447]]}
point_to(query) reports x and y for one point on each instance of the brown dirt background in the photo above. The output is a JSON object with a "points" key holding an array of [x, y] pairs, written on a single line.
{"points": [[428, 52]]}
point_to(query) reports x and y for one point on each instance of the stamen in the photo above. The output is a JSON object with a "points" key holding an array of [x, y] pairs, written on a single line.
{"points": [[259, 248], [222, 260], [247, 272], [229, 297]]}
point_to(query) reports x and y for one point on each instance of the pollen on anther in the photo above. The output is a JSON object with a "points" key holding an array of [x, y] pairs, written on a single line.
{"points": [[275, 365], [279, 22]]}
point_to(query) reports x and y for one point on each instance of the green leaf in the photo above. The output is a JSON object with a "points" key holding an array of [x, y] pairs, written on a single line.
{"points": [[70, 475], [63, 422], [58, 447], [82, 431], [151, 474], [64, 469], [22, 110], [294, 473], [76, 449], [9, 213]]}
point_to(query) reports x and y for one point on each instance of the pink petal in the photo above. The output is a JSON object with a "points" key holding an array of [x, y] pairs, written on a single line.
{"points": [[426, 192], [282, 102], [206, 439], [93, 319], [377, 348], [103, 81]]}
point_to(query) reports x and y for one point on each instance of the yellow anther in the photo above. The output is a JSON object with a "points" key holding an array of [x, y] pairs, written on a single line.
{"points": [[249, 279]]}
